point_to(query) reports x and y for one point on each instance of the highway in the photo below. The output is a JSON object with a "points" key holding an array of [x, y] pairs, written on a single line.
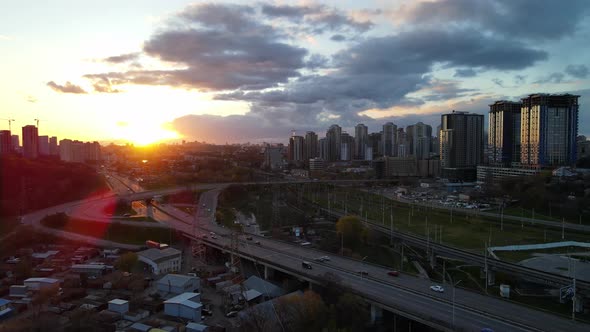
{"points": [[406, 294], [441, 249]]}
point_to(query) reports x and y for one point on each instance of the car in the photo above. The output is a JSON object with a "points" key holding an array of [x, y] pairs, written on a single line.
{"points": [[127, 215], [231, 314], [207, 312], [306, 265], [214, 237], [363, 273], [204, 205], [393, 273], [258, 243], [249, 238], [437, 288], [322, 259], [208, 210]]}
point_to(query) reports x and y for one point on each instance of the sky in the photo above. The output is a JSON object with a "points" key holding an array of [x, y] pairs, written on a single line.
{"points": [[145, 71]]}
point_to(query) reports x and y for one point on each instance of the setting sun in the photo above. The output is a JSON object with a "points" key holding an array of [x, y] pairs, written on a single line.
{"points": [[142, 134]]}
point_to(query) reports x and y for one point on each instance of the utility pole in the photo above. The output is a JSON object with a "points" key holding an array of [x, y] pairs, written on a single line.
{"points": [[486, 265], [574, 297], [391, 229], [562, 228], [451, 214], [502, 218]]}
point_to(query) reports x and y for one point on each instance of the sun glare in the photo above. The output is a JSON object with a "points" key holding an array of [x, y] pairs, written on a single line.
{"points": [[144, 134]]}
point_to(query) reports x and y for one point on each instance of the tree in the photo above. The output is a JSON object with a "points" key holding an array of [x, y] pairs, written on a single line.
{"points": [[351, 312], [24, 269], [352, 231], [126, 262]]}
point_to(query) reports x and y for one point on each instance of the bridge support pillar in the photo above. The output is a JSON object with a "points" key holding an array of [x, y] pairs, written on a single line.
{"points": [[376, 313], [432, 259], [268, 272], [491, 277], [149, 211]]}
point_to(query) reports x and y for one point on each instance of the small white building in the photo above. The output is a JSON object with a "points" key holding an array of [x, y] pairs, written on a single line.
{"points": [[161, 260], [196, 327], [36, 284], [177, 284], [186, 305], [119, 306]]}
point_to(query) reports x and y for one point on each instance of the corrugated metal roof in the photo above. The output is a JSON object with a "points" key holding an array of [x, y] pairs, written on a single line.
{"points": [[176, 280], [185, 299], [159, 255]]}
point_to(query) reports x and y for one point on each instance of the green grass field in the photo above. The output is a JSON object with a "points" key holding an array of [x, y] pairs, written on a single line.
{"points": [[458, 229]]}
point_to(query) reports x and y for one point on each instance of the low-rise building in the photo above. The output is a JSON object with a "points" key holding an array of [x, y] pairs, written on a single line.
{"points": [[119, 306], [316, 164], [491, 173], [5, 309], [175, 284], [196, 327], [185, 305], [95, 270], [161, 260], [37, 284]]}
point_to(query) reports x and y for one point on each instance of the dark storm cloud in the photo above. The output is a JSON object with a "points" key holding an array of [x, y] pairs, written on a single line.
{"points": [[66, 88], [218, 47], [498, 82], [510, 18], [318, 18], [122, 58], [577, 71], [383, 70], [317, 61], [554, 78], [519, 79], [294, 12], [465, 72], [446, 90], [338, 38]]}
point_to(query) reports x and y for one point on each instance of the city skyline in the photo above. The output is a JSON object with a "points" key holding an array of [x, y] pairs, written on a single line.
{"points": [[322, 62]]}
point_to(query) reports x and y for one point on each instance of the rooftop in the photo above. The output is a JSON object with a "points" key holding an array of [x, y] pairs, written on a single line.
{"points": [[185, 299], [118, 302], [196, 326], [176, 280], [47, 280], [159, 255], [263, 286]]}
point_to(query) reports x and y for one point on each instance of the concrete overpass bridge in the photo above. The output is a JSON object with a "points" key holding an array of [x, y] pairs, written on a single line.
{"points": [[493, 265], [406, 295]]}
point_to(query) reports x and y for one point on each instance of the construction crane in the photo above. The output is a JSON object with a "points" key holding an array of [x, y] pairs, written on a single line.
{"points": [[9, 123]]}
